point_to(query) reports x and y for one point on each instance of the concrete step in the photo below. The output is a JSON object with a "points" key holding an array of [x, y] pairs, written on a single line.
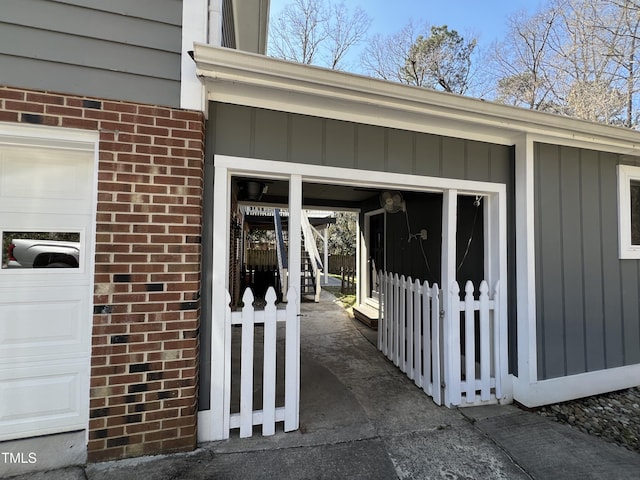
{"points": [[367, 315]]}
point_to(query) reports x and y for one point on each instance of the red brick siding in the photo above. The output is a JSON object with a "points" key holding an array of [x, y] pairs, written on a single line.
{"points": [[147, 267]]}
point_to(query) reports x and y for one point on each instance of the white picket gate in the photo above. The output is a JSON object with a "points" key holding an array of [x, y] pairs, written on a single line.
{"points": [[246, 319], [475, 368], [409, 330], [424, 340]]}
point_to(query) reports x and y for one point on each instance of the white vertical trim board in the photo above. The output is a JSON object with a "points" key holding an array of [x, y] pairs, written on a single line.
{"points": [[195, 17], [220, 364]]}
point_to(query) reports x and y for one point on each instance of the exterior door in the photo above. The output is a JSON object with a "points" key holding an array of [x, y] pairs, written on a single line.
{"points": [[47, 205], [376, 252]]}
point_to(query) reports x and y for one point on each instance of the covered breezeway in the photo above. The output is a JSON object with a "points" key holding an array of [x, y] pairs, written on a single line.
{"points": [[216, 422]]}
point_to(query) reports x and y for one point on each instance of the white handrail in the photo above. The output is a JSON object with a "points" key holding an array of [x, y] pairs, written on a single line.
{"points": [[281, 254]]}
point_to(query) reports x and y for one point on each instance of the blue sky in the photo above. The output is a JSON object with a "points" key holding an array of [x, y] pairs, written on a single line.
{"points": [[485, 18]]}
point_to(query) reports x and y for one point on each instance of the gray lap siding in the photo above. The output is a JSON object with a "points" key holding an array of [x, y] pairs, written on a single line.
{"points": [[118, 49]]}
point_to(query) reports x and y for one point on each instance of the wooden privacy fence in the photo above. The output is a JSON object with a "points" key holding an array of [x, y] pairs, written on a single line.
{"points": [[337, 262], [347, 281], [246, 320], [260, 278], [454, 354], [259, 258]]}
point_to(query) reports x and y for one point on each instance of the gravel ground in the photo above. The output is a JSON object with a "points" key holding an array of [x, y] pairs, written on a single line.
{"points": [[612, 416]]}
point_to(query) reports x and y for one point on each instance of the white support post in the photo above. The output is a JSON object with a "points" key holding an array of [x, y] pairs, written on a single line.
{"points": [[220, 358], [325, 239], [495, 228], [292, 353], [449, 221], [525, 269], [361, 260]]}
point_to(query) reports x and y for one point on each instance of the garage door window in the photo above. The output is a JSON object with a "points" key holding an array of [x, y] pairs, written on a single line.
{"points": [[38, 249]]}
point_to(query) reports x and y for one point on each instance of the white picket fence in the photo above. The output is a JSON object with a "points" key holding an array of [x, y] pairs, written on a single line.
{"points": [[424, 340], [270, 414]]}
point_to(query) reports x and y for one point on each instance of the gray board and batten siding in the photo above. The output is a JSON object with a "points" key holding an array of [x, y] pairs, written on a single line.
{"points": [[587, 300], [272, 135], [116, 49]]}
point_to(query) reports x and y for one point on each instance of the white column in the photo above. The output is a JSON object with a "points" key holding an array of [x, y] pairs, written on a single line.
{"points": [[525, 269], [295, 231], [495, 269], [325, 238], [220, 359], [449, 221], [292, 348]]}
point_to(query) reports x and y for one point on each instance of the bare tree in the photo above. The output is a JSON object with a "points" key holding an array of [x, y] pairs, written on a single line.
{"points": [[623, 24], [298, 31], [574, 57], [386, 56], [585, 76], [344, 30], [317, 32], [521, 60]]}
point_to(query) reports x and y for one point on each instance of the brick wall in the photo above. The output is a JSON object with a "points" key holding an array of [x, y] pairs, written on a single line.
{"points": [[147, 273]]}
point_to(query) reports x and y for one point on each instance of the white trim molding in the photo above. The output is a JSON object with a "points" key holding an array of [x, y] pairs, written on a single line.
{"points": [[571, 387], [353, 177], [255, 80], [626, 248]]}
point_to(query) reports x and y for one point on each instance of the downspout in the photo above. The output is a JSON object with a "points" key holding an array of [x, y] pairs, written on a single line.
{"points": [[214, 30]]}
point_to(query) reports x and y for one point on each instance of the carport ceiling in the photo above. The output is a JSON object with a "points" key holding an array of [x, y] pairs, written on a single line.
{"points": [[314, 194]]}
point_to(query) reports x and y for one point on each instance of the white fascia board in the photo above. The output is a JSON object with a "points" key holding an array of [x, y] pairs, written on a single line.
{"points": [[259, 81], [195, 14], [567, 388]]}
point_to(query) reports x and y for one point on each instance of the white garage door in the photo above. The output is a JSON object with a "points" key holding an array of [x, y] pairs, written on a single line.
{"points": [[47, 196]]}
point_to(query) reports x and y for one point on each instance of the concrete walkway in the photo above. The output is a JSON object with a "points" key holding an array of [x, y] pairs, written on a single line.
{"points": [[363, 419]]}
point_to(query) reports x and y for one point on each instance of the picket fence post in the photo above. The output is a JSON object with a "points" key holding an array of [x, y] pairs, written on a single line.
{"points": [[269, 371]]}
